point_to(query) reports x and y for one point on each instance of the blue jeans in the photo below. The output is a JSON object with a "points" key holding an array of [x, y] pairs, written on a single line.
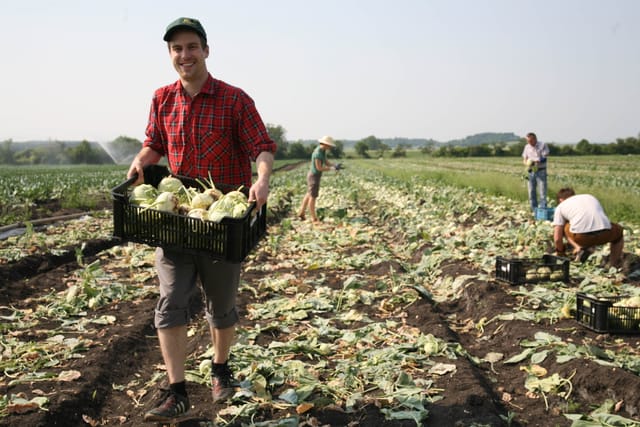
{"points": [[537, 181]]}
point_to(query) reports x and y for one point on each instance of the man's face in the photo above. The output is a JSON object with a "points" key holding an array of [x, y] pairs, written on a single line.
{"points": [[188, 56], [531, 140]]}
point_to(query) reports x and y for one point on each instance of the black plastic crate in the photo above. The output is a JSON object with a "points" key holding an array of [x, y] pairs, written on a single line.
{"points": [[517, 271], [600, 315], [232, 239]]}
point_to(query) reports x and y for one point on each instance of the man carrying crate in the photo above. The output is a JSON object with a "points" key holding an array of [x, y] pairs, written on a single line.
{"points": [[207, 129], [580, 219]]}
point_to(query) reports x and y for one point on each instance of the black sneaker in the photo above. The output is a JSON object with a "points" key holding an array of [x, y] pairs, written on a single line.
{"points": [[583, 255], [171, 406], [222, 384]]}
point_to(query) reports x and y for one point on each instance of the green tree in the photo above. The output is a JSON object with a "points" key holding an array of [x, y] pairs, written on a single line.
{"points": [[83, 154], [563, 150], [629, 145], [362, 149], [428, 147], [127, 141], [53, 153], [298, 150], [373, 143], [279, 135], [400, 150], [338, 150], [584, 147], [482, 150], [122, 150], [27, 157], [6, 153], [383, 148], [499, 149]]}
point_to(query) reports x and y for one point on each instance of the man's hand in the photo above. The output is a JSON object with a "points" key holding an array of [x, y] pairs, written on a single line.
{"points": [[145, 157], [259, 192], [136, 168]]}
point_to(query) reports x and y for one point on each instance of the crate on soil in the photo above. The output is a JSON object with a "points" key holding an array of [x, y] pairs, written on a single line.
{"points": [[232, 239], [603, 315], [517, 271]]}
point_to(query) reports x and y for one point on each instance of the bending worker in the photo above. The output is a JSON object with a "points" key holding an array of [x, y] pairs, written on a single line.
{"points": [[581, 219]]}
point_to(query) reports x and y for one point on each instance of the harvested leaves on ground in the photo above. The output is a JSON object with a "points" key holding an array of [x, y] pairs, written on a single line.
{"points": [[385, 313]]}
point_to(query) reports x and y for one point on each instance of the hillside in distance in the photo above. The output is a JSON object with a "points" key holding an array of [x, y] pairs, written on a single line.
{"points": [[471, 140]]}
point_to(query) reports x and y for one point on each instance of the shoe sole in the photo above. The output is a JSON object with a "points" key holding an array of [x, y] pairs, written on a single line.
{"points": [[152, 418], [223, 396]]}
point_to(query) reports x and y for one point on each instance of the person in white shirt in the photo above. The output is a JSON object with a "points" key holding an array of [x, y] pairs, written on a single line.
{"points": [[534, 156], [581, 219]]}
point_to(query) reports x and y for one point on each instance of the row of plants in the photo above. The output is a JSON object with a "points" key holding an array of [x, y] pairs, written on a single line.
{"points": [[613, 179]]}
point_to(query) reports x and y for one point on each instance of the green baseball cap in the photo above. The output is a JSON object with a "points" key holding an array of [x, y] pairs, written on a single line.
{"points": [[186, 24]]}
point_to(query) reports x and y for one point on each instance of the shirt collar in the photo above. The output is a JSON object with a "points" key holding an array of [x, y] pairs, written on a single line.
{"points": [[208, 87]]}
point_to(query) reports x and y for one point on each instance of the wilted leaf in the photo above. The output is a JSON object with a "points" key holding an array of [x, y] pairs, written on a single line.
{"points": [[442, 369], [20, 405], [493, 357], [69, 375]]}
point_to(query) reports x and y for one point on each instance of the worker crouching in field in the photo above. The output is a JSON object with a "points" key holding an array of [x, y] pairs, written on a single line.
{"points": [[581, 219]]}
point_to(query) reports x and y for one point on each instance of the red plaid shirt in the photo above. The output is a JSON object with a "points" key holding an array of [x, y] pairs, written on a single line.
{"points": [[218, 132]]}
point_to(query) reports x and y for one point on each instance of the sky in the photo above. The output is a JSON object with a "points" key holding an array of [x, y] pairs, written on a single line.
{"points": [[436, 69]]}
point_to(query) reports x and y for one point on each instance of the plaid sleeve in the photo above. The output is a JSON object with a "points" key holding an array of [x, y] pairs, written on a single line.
{"points": [[153, 138], [252, 131]]}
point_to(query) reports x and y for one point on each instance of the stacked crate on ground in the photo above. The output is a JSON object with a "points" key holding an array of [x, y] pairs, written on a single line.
{"points": [[517, 271], [607, 314]]}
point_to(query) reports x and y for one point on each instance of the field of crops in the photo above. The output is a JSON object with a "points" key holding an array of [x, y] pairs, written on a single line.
{"points": [[387, 313]]}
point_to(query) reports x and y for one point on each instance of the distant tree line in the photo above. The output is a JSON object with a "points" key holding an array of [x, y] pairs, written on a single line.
{"points": [[629, 145], [503, 146], [85, 152], [298, 149], [302, 150]]}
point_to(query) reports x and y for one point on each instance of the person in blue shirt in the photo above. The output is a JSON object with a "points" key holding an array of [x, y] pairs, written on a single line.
{"points": [[319, 164]]}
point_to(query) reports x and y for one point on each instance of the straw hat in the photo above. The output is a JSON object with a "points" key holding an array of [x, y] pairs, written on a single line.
{"points": [[327, 140]]}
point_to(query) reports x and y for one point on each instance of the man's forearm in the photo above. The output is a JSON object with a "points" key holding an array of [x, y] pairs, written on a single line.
{"points": [[264, 165], [148, 156], [259, 191], [558, 239]]}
